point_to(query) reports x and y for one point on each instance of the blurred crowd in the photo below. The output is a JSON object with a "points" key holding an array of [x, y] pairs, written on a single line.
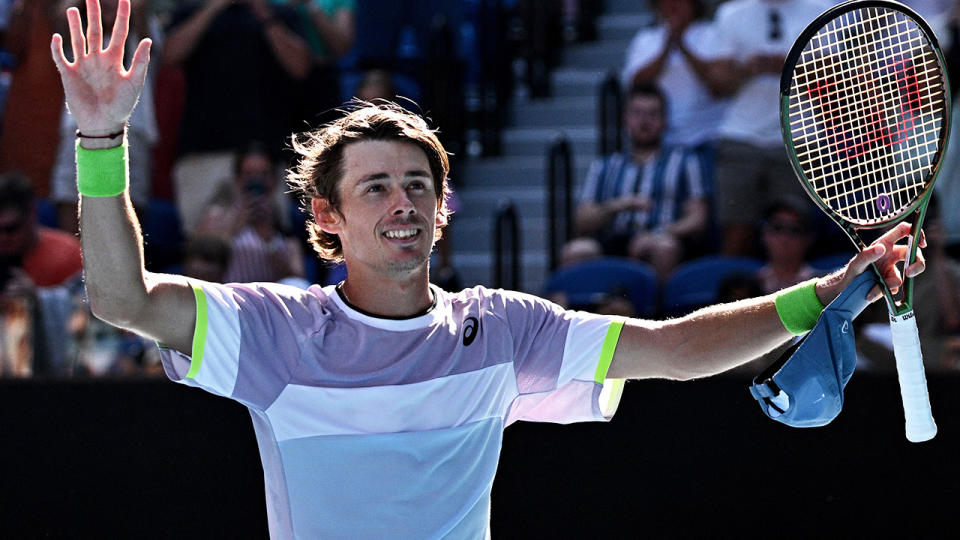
{"points": [[703, 173]]}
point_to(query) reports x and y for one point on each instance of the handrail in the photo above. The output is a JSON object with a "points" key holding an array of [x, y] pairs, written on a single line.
{"points": [[610, 118], [506, 231], [559, 197]]}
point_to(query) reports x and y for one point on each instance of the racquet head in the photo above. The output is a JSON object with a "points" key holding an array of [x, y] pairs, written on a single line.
{"points": [[865, 112]]}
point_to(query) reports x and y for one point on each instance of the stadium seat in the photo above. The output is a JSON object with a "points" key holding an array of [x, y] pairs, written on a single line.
{"points": [[694, 284], [829, 263], [587, 283]]}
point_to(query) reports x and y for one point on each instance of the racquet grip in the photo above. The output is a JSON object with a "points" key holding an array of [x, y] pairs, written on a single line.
{"points": [[913, 381]]}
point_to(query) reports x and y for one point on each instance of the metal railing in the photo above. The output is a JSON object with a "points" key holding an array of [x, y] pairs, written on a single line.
{"points": [[506, 247], [610, 125], [559, 197]]}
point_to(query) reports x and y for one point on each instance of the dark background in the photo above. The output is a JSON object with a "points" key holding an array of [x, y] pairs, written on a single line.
{"points": [[153, 459]]}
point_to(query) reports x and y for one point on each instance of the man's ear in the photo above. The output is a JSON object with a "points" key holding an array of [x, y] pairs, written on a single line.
{"points": [[329, 220]]}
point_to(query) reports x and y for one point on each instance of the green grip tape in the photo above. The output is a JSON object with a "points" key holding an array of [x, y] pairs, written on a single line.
{"points": [[102, 173], [799, 308]]}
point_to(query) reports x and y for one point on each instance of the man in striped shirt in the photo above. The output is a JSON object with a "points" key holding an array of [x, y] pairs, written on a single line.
{"points": [[651, 201]]}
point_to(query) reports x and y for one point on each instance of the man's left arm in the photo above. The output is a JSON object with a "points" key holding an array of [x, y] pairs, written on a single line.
{"points": [[718, 338]]}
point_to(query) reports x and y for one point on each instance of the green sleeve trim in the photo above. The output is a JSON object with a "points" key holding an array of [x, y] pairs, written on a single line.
{"points": [[199, 333], [799, 308], [606, 352], [102, 173]]}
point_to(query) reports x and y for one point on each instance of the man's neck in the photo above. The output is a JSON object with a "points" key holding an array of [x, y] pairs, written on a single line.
{"points": [[641, 154], [389, 296]]}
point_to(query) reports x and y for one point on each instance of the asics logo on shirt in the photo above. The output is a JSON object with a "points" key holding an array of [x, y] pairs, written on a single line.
{"points": [[471, 327]]}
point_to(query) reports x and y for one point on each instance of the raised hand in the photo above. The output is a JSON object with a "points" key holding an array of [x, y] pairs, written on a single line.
{"points": [[100, 92]]}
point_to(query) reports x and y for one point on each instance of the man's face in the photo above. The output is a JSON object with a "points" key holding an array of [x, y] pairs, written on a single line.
{"points": [[256, 174], [643, 118], [388, 207], [15, 232]]}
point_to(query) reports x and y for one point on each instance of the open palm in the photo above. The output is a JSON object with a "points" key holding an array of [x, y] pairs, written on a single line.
{"points": [[100, 92]]}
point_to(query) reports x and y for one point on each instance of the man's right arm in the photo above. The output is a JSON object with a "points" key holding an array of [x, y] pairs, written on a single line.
{"points": [[101, 95]]}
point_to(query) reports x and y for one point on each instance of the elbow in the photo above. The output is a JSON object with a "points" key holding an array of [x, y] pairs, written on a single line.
{"points": [[121, 311]]}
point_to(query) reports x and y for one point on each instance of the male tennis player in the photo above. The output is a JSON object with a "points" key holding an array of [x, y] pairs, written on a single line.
{"points": [[379, 403]]}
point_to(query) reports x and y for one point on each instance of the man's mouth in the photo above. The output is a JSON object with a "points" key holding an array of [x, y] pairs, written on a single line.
{"points": [[401, 234]]}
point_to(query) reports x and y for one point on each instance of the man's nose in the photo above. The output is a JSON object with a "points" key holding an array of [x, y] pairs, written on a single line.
{"points": [[402, 203]]}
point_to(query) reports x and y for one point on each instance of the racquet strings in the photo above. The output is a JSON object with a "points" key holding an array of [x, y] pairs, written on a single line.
{"points": [[866, 112]]}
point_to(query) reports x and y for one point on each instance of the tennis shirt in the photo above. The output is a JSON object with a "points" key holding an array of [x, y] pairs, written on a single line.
{"points": [[371, 427]]}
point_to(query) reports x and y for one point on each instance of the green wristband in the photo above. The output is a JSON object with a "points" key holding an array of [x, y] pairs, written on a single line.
{"points": [[799, 308], [102, 173]]}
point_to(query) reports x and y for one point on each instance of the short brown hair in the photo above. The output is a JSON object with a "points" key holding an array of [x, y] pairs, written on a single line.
{"points": [[319, 168]]}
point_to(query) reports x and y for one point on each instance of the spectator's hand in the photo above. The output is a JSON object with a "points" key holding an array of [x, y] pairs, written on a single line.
{"points": [[885, 253], [100, 93], [260, 9], [19, 285], [764, 63]]}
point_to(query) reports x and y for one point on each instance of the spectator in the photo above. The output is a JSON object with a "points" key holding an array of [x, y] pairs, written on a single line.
{"points": [[754, 37], [787, 239], [47, 256], [241, 61], [35, 97], [38, 267], [142, 131], [206, 257], [244, 212], [647, 203], [376, 84], [329, 28], [674, 55]]}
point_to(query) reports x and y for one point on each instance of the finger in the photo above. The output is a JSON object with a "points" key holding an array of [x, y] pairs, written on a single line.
{"points": [[894, 235], [141, 59], [865, 258], [76, 33], [874, 294], [923, 239], [56, 50], [94, 27], [917, 267], [121, 27]]}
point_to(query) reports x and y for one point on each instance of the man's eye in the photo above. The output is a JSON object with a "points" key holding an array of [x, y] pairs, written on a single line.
{"points": [[375, 188], [417, 185]]}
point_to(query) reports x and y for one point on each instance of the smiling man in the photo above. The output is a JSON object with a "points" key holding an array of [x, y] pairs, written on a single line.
{"points": [[379, 404]]}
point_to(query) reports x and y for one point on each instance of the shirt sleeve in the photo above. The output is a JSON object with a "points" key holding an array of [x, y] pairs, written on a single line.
{"points": [[247, 341], [561, 362], [645, 47]]}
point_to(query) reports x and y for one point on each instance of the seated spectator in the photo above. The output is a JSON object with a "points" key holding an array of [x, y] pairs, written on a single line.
{"points": [[648, 203], [376, 84], [245, 213], [787, 239], [47, 256], [206, 257]]}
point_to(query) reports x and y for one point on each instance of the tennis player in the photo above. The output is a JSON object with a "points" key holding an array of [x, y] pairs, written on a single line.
{"points": [[379, 403]]}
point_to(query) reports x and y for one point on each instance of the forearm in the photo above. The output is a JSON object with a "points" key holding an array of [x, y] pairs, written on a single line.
{"points": [[702, 69], [113, 259], [647, 74], [289, 49], [693, 221], [591, 217], [706, 342], [183, 39], [337, 31], [726, 76]]}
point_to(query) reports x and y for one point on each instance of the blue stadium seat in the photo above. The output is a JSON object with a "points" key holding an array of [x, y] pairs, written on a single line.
{"points": [[587, 283], [694, 284], [47, 213]]}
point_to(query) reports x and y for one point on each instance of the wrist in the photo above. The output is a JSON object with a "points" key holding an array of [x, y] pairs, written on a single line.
{"points": [[101, 138], [799, 307]]}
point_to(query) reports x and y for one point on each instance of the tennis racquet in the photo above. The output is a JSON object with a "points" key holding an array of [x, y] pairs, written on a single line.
{"points": [[865, 116]]}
